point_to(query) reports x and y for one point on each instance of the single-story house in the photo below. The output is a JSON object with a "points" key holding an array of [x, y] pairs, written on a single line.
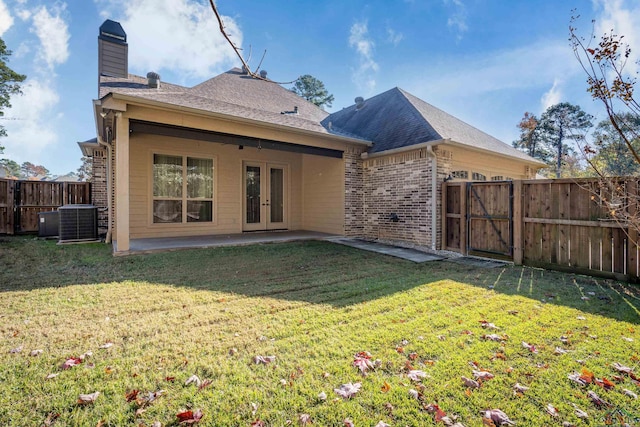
{"points": [[237, 154]]}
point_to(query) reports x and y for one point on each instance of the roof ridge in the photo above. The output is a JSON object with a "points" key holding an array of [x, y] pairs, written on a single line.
{"points": [[448, 114]]}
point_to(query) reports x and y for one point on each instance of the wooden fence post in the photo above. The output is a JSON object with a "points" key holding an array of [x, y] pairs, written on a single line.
{"points": [[632, 232], [463, 219], [517, 219], [443, 213]]}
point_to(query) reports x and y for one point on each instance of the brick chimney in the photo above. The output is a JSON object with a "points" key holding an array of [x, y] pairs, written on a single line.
{"points": [[113, 51]]}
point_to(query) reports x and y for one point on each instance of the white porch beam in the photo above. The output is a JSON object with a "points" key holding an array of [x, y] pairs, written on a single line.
{"points": [[122, 183]]}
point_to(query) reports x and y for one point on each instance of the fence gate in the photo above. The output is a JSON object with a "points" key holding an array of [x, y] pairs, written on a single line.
{"points": [[22, 201], [489, 217]]}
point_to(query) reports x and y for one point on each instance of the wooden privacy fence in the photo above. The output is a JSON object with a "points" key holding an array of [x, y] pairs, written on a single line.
{"points": [[556, 224], [22, 201]]}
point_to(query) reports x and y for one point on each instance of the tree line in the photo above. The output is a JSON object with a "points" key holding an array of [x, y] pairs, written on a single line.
{"points": [[566, 138]]}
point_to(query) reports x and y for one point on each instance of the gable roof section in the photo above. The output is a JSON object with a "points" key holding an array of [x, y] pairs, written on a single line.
{"points": [[396, 119], [232, 93]]}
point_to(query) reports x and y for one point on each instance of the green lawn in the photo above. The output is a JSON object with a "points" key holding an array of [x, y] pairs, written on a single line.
{"points": [[314, 306]]}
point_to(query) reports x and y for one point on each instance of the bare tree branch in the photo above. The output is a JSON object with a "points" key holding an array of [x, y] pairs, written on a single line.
{"points": [[245, 65]]}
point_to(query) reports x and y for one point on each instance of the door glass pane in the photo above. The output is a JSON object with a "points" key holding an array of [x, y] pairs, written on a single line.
{"points": [[252, 179], [277, 197]]}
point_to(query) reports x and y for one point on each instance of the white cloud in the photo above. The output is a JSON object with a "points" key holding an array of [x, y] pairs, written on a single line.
{"points": [[553, 96], [393, 37], [177, 35], [53, 33], [623, 18], [24, 14], [31, 125], [359, 39], [6, 20], [534, 66], [458, 19]]}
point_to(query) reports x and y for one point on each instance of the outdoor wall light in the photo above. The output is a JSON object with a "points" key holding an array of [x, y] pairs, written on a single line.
{"points": [[448, 178], [394, 217]]}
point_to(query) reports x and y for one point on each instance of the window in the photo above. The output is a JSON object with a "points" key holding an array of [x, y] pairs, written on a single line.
{"points": [[477, 176], [182, 189], [460, 174], [497, 178]]}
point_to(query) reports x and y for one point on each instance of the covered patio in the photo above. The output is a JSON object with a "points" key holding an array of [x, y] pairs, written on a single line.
{"points": [[163, 244]]}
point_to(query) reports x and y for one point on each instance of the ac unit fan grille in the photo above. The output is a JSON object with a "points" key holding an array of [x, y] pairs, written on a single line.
{"points": [[78, 223]]}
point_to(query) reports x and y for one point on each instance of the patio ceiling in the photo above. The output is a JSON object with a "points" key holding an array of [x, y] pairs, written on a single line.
{"points": [[139, 126]]}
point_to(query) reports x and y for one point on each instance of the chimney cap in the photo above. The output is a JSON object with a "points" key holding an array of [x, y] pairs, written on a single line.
{"points": [[112, 31], [263, 74]]}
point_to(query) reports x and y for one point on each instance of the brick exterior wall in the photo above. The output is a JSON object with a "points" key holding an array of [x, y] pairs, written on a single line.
{"points": [[99, 188], [401, 184], [354, 192]]}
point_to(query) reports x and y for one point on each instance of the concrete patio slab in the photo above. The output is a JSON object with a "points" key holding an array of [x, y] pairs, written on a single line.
{"points": [[398, 252], [163, 244], [479, 262]]}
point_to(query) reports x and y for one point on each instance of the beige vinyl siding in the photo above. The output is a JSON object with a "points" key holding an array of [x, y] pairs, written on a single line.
{"points": [[228, 191], [323, 191], [486, 164]]}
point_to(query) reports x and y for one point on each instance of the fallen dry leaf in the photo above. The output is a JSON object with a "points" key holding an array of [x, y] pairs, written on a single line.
{"points": [[347, 390], [416, 375], [551, 410], [483, 375], [189, 417], [205, 383], [347, 422], [386, 387], [382, 424], [132, 395], [629, 393], [71, 362], [193, 379], [621, 368], [35, 353], [322, 395], [597, 400], [470, 383], [16, 350], [51, 418], [363, 363], [579, 412], [498, 417], [263, 359], [530, 347], [305, 419], [106, 345], [51, 376], [519, 388], [87, 399]]}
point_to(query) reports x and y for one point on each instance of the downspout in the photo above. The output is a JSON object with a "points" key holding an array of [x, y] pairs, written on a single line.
{"points": [[107, 145], [434, 192]]}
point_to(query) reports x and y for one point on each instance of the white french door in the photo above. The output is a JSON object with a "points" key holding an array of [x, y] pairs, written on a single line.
{"points": [[265, 199]]}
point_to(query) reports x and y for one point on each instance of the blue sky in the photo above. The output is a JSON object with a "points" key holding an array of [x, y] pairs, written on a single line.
{"points": [[484, 61]]}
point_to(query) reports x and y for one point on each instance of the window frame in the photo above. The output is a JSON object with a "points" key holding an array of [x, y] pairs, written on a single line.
{"points": [[184, 199]]}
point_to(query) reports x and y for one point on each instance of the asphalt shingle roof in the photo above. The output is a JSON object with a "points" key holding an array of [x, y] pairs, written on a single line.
{"points": [[392, 119], [395, 119], [231, 93]]}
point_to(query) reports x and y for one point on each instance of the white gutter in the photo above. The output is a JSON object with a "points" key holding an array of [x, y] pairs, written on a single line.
{"points": [[404, 149], [107, 145]]}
